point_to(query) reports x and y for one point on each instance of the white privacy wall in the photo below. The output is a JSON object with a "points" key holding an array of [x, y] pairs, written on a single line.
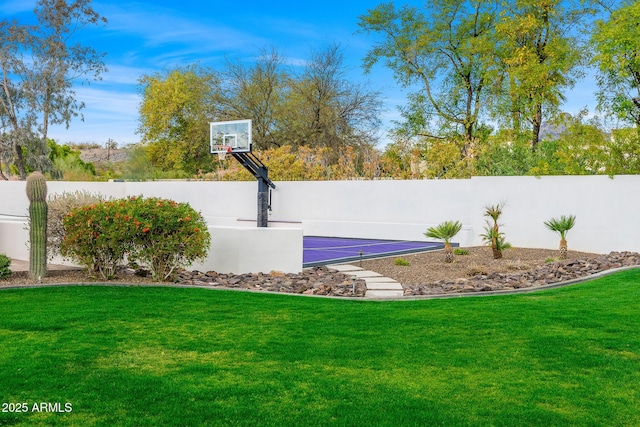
{"points": [[607, 209]]}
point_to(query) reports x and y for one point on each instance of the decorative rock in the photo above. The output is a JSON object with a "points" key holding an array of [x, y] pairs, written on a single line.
{"points": [[549, 273], [315, 281]]}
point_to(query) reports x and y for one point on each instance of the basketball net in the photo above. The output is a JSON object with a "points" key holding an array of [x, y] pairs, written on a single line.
{"points": [[221, 151]]}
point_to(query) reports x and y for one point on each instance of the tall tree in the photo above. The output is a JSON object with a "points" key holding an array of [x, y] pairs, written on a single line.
{"points": [[617, 45], [256, 92], [176, 109], [39, 66], [446, 51], [541, 53], [325, 109]]}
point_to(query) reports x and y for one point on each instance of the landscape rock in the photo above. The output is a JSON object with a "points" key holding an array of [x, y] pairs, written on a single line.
{"points": [[553, 272], [314, 281]]}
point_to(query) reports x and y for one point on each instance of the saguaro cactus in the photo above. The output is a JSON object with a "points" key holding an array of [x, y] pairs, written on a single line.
{"points": [[37, 194]]}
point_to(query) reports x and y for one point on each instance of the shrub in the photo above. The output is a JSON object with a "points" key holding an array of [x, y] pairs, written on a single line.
{"points": [[157, 233], [59, 207], [98, 236], [401, 261], [460, 251], [171, 235], [5, 262]]}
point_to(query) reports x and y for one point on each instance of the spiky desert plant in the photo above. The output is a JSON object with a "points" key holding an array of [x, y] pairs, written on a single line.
{"points": [[445, 231], [37, 194], [493, 236], [562, 226]]}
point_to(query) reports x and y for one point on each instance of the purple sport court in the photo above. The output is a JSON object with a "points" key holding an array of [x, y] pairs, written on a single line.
{"points": [[336, 250]]}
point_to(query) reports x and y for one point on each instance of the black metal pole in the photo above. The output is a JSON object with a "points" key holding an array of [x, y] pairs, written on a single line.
{"points": [[263, 203], [261, 172]]}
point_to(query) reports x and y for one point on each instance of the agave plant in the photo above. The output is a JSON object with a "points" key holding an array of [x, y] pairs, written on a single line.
{"points": [[562, 226], [445, 231], [493, 236]]}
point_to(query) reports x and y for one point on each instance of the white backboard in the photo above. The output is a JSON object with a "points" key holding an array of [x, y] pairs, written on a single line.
{"points": [[234, 133]]}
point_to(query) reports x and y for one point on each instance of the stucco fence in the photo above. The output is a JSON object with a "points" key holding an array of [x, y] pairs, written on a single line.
{"points": [[607, 211]]}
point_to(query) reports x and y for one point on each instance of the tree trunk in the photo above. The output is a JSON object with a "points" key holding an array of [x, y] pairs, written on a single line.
{"points": [[563, 249], [537, 124], [497, 254], [448, 252], [20, 161]]}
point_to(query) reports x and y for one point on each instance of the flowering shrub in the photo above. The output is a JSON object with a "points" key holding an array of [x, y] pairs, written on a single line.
{"points": [[98, 236], [157, 233], [168, 235]]}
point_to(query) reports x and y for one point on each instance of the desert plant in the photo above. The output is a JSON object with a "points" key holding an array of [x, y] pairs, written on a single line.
{"points": [[171, 235], [37, 194], [156, 233], [401, 262], [5, 262], [562, 226], [445, 231], [98, 236], [59, 207], [460, 251], [493, 236]]}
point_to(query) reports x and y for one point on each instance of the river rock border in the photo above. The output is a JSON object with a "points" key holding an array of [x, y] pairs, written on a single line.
{"points": [[551, 273]]}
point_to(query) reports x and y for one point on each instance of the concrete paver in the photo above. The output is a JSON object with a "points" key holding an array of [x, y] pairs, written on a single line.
{"points": [[383, 294], [345, 267], [384, 286], [363, 274], [379, 280]]}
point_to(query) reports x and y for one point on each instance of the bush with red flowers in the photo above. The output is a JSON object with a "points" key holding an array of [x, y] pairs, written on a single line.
{"points": [[159, 234]]}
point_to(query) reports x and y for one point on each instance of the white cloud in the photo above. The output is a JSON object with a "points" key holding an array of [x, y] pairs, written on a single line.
{"points": [[107, 114], [161, 27], [122, 74]]}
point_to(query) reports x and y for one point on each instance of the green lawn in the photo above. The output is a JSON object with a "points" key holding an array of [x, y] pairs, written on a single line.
{"points": [[164, 356]]}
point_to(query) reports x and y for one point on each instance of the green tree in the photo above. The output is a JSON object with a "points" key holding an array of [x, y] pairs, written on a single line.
{"points": [[617, 47], [540, 52], [318, 108], [325, 109], [68, 164], [445, 50], [176, 109], [257, 92], [39, 64]]}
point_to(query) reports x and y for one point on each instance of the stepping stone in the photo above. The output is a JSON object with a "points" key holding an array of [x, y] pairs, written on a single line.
{"points": [[379, 280], [384, 294], [387, 286], [345, 268], [363, 274]]}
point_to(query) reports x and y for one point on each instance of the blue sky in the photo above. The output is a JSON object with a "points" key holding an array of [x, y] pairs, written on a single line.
{"points": [[146, 36]]}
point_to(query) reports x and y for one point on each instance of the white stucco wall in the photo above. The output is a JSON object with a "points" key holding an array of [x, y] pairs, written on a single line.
{"points": [[606, 208], [254, 250]]}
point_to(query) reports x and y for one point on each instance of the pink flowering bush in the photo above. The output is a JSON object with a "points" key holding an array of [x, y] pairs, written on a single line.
{"points": [[159, 234]]}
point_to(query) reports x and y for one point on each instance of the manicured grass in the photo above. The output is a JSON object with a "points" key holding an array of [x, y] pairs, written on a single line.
{"points": [[161, 356]]}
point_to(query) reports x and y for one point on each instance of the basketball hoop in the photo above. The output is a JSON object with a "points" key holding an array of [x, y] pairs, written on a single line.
{"points": [[221, 151]]}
